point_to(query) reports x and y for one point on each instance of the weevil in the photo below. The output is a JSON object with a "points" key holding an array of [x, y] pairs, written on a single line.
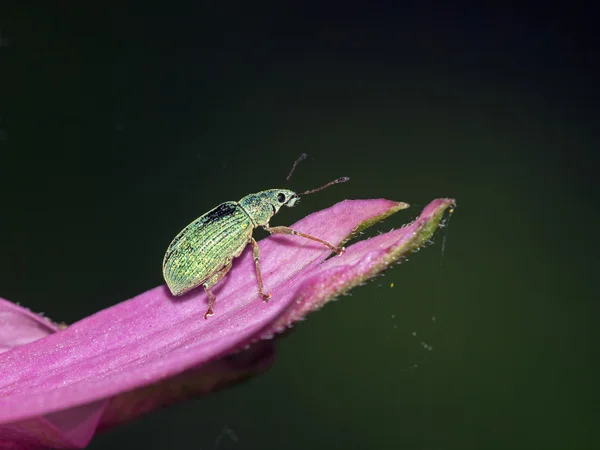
{"points": [[202, 253]]}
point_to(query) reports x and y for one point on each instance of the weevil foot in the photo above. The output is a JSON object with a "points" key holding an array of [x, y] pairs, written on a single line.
{"points": [[339, 250], [265, 297], [209, 312]]}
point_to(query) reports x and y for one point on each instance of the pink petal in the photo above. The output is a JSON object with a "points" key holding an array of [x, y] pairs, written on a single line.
{"points": [[361, 261], [19, 326], [307, 286], [153, 336]]}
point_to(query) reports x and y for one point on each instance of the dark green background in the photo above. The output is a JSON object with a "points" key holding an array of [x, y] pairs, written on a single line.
{"points": [[121, 125]]}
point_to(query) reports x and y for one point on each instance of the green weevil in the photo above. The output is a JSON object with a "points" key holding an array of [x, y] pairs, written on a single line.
{"points": [[202, 253]]}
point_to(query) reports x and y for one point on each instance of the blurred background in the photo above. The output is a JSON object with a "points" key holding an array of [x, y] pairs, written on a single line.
{"points": [[120, 125]]}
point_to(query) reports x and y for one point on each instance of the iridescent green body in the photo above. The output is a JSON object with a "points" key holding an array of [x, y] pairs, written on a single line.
{"points": [[202, 252]]}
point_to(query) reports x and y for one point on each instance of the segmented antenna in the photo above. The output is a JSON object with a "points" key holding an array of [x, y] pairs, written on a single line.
{"points": [[339, 180], [302, 157]]}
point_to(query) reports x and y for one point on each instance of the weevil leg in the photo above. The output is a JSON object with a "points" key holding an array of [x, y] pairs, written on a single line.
{"points": [[289, 231], [256, 254], [210, 283], [211, 301]]}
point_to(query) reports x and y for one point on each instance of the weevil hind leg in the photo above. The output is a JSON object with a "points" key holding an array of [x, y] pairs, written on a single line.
{"points": [[256, 255], [210, 283], [291, 232]]}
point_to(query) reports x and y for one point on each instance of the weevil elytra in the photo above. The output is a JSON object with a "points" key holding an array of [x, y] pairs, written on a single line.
{"points": [[201, 254]]}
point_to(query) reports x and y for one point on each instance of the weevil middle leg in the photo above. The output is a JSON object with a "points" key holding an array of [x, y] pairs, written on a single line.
{"points": [[291, 232], [211, 282], [256, 254]]}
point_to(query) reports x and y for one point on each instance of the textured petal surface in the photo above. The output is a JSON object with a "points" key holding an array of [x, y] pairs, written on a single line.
{"points": [[153, 349]]}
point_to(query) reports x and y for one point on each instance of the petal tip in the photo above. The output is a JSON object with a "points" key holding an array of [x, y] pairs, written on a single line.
{"points": [[400, 206]]}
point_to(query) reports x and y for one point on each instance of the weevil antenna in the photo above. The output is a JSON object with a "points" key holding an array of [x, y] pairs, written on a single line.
{"points": [[339, 180], [302, 157]]}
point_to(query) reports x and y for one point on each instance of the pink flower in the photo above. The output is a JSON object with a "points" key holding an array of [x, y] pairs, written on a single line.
{"points": [[59, 386]]}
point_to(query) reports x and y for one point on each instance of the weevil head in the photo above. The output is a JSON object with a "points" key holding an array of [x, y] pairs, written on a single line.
{"points": [[284, 197], [264, 205]]}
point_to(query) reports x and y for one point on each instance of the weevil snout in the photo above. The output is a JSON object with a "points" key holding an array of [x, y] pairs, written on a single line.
{"points": [[293, 201]]}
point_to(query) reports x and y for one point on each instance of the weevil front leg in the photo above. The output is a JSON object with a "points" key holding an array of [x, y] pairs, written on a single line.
{"points": [[289, 231], [211, 282], [256, 254]]}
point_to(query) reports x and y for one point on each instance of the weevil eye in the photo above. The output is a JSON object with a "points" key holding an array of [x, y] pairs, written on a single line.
{"points": [[281, 198]]}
